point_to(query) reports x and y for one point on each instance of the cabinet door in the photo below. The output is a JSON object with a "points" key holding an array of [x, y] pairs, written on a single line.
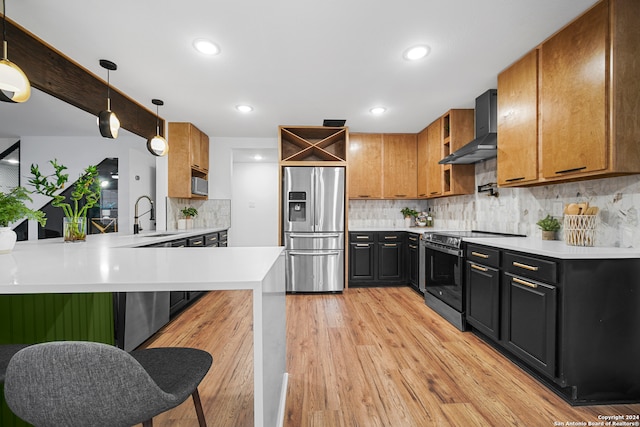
{"points": [[518, 122], [389, 261], [530, 322], [573, 96], [399, 178], [361, 262], [434, 155], [423, 148], [365, 165], [483, 299], [204, 151]]}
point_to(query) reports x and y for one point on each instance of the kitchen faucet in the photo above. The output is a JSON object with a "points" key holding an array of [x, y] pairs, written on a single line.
{"points": [[136, 224]]}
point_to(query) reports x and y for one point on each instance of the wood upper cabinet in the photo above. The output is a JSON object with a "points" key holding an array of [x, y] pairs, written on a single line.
{"points": [[199, 150], [573, 96], [399, 171], [423, 167], [365, 166], [518, 122], [589, 91], [188, 157], [434, 155]]}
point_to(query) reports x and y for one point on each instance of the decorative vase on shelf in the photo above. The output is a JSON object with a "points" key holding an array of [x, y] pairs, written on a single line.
{"points": [[74, 229], [7, 240], [407, 221]]}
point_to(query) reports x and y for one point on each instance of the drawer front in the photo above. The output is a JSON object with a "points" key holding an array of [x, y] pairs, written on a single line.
{"points": [[531, 267], [413, 239], [211, 239], [483, 255], [195, 241], [360, 237], [390, 237], [223, 235]]}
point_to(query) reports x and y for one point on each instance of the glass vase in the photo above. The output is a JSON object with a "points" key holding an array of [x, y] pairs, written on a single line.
{"points": [[74, 229]]}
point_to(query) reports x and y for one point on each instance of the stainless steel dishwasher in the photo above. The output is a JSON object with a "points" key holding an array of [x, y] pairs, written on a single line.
{"points": [[139, 315]]}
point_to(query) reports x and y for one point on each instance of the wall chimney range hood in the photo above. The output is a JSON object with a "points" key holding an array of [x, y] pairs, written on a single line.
{"points": [[485, 145]]}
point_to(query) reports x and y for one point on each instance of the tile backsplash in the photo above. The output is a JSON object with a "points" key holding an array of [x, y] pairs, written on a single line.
{"points": [[516, 210], [212, 213]]}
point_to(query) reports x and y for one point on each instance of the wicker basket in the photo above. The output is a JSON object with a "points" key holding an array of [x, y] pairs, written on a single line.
{"points": [[580, 230]]}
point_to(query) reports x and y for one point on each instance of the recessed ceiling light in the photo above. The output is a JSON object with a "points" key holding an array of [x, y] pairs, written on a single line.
{"points": [[416, 52], [377, 110], [257, 157], [244, 108], [206, 47]]}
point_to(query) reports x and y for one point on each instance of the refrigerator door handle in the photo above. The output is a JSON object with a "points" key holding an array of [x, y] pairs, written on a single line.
{"points": [[314, 235], [309, 253]]}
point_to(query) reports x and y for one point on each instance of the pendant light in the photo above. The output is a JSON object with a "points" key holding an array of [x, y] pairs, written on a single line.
{"points": [[14, 84], [107, 120], [157, 145]]}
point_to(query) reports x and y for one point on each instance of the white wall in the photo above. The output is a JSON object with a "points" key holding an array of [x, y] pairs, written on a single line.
{"points": [[221, 161], [79, 152], [254, 206]]}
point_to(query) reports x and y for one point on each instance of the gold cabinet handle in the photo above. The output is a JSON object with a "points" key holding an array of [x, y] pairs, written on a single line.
{"points": [[392, 245], [525, 283], [413, 246], [362, 237], [525, 266], [390, 237], [477, 267], [362, 245], [480, 255], [196, 243]]}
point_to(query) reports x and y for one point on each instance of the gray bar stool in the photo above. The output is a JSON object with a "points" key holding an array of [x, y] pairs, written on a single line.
{"points": [[78, 383], [6, 353]]}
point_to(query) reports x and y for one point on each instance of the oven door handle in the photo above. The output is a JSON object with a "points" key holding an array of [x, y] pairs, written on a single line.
{"points": [[453, 252]]}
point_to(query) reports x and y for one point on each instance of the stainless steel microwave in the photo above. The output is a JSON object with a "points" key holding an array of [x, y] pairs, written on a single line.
{"points": [[199, 186]]}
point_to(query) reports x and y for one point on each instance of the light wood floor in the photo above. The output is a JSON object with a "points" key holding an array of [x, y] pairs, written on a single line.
{"points": [[367, 357]]}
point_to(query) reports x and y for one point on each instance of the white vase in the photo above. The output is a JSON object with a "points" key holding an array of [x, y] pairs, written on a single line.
{"points": [[182, 224], [8, 239]]}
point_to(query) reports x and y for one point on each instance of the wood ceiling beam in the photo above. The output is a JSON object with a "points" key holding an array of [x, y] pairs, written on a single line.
{"points": [[54, 73]]}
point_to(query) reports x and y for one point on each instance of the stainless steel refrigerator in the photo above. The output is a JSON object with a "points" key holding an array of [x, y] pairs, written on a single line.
{"points": [[313, 227]]}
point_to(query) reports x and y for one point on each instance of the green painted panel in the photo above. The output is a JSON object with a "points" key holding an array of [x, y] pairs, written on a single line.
{"points": [[53, 317]]}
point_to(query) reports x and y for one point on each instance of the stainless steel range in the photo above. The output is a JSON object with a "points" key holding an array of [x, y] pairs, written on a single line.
{"points": [[445, 282]]}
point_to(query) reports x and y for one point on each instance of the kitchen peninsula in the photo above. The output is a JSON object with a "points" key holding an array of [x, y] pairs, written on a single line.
{"points": [[112, 263]]}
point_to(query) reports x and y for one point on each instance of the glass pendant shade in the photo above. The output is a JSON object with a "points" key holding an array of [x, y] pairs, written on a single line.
{"points": [[14, 84], [158, 145]]}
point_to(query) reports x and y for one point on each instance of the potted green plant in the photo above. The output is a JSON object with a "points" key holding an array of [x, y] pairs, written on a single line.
{"points": [[549, 225], [188, 212], [12, 209], [408, 214], [85, 194]]}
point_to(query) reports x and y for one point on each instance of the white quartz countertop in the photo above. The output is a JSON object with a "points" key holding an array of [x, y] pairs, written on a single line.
{"points": [[555, 248], [533, 245], [112, 263]]}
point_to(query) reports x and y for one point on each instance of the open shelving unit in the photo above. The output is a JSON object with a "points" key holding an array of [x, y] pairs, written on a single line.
{"points": [[309, 145]]}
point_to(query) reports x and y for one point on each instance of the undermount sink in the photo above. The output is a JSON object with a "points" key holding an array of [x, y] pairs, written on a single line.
{"points": [[158, 235]]}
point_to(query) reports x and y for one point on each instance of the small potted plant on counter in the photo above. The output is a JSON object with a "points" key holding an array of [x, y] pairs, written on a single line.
{"points": [[12, 209], [408, 214], [85, 194], [188, 212], [549, 225]]}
